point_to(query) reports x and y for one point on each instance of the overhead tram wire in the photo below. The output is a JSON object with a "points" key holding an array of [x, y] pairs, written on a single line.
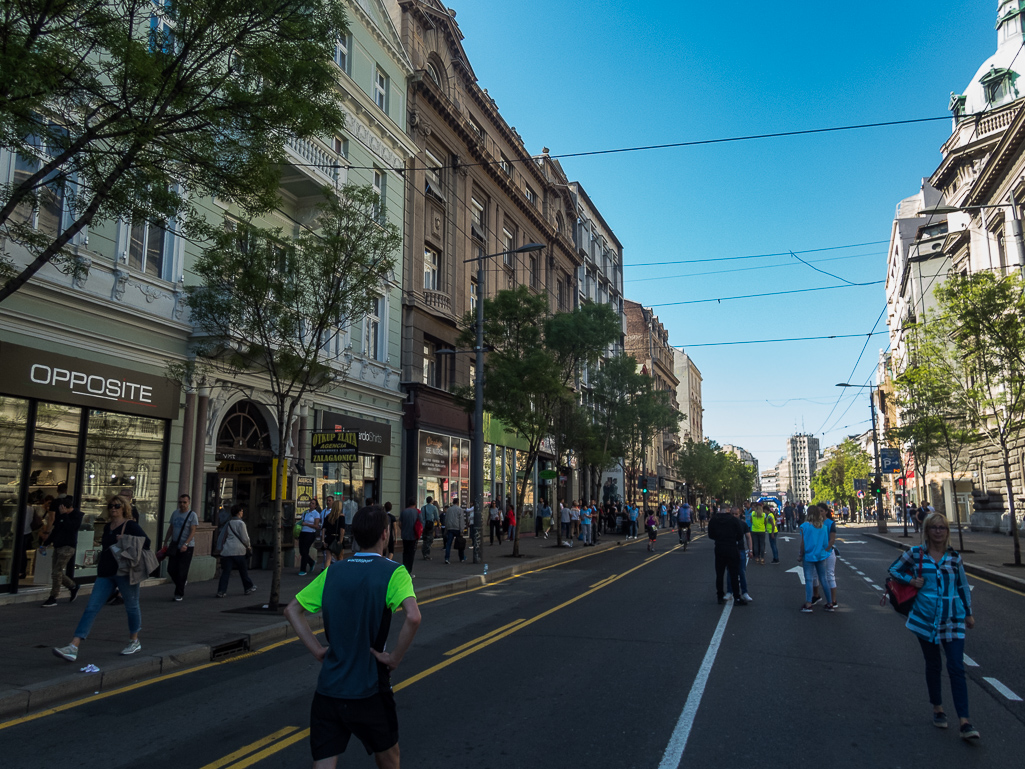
{"points": [[748, 269], [771, 293], [791, 339], [758, 256]]}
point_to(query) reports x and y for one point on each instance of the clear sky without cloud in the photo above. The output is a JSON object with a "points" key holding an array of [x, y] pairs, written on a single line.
{"points": [[576, 75]]}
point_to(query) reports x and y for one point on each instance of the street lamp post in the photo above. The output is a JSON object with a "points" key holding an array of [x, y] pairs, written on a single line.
{"points": [[877, 485], [477, 475]]}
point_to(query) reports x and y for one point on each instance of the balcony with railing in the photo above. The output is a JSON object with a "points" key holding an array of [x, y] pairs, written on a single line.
{"points": [[309, 167], [438, 300]]}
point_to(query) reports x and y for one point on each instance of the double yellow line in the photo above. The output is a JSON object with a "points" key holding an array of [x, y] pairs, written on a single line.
{"points": [[252, 753]]}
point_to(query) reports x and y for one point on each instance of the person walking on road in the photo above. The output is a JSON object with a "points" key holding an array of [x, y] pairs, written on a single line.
{"points": [[941, 613], [814, 550], [758, 533], [703, 515], [651, 527], [455, 522], [495, 522], [357, 597], [407, 530], [830, 563], [430, 514], [586, 515], [772, 529], [632, 513], [181, 544], [745, 551], [311, 524], [63, 536], [727, 533], [119, 524], [334, 533], [235, 549]]}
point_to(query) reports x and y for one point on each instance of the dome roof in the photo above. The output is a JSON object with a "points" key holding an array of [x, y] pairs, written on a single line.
{"points": [[996, 82]]}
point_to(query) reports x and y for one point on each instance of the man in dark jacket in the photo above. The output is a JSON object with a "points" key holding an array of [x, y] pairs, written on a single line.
{"points": [[728, 534], [64, 539]]}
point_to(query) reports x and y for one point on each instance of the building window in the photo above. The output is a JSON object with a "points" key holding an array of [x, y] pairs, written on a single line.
{"points": [[473, 296], [531, 196], [432, 73], [433, 175], [381, 189], [432, 267], [508, 244], [560, 289], [161, 28], [372, 329], [477, 127], [534, 278], [478, 219], [381, 89], [341, 146], [48, 212], [342, 53], [147, 248], [430, 377], [506, 165]]}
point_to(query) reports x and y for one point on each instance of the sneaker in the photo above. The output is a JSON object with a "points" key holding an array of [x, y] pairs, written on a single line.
{"points": [[939, 720], [748, 598], [739, 602], [830, 607], [132, 648], [251, 590], [446, 560], [806, 608], [69, 652], [74, 593], [302, 574], [179, 597], [221, 595], [969, 732], [51, 601], [775, 560], [816, 599]]}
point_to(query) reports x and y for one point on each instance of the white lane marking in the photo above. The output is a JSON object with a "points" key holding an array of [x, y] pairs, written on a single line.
{"points": [[969, 661], [853, 541], [859, 573], [869, 581], [674, 750], [1002, 689], [799, 571], [877, 587]]}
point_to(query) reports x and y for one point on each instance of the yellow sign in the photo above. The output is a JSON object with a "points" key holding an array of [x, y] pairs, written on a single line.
{"points": [[237, 468], [336, 447], [274, 480]]}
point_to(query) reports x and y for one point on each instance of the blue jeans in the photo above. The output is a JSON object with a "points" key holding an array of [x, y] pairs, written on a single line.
{"points": [[450, 537], [743, 576], [772, 544], [955, 669], [585, 529], [810, 570], [103, 589]]}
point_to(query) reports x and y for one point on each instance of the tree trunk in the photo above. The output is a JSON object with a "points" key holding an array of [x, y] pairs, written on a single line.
{"points": [[957, 509], [1010, 502]]}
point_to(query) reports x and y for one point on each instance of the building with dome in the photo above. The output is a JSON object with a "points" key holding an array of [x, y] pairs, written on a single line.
{"points": [[966, 217]]}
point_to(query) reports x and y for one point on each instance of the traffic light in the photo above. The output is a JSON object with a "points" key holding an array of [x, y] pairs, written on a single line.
{"points": [[642, 484], [877, 486]]}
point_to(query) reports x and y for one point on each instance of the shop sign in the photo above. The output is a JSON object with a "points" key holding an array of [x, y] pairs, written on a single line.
{"points": [[374, 437], [433, 453], [305, 488], [336, 447], [233, 467], [548, 475], [31, 373]]}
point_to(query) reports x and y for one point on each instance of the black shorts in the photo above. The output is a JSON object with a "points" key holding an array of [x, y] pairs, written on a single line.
{"points": [[683, 524], [332, 721]]}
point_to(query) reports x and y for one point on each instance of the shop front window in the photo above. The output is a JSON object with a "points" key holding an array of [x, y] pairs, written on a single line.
{"points": [[13, 418]]}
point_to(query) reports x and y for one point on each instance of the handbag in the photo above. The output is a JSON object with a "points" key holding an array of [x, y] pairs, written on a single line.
{"points": [[162, 554], [902, 597]]}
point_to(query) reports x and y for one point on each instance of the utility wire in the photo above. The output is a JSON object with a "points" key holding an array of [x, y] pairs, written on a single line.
{"points": [[747, 269], [792, 339], [772, 293], [756, 256], [809, 264]]}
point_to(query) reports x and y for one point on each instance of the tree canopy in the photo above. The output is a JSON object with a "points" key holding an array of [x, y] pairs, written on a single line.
{"points": [[834, 478], [135, 109]]}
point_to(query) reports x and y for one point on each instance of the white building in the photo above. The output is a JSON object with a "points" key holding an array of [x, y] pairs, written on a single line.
{"points": [[801, 461], [688, 396]]}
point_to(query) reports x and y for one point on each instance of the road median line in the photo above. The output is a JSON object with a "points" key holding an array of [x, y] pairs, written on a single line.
{"points": [[251, 747]]}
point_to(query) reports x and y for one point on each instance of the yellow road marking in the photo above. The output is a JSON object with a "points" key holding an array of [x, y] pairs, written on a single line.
{"points": [[251, 747], [482, 638], [267, 752], [997, 584], [602, 582]]}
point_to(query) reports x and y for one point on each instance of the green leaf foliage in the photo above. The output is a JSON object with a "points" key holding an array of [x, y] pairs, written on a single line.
{"points": [[834, 479], [134, 109]]}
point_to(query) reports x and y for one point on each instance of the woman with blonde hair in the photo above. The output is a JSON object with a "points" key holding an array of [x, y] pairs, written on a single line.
{"points": [[814, 551], [941, 613], [334, 534]]}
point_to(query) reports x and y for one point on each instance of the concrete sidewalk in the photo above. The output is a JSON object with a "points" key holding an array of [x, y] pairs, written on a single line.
{"points": [[203, 628], [985, 554]]}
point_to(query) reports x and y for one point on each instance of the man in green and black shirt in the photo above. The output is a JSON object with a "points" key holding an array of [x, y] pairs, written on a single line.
{"points": [[357, 597]]}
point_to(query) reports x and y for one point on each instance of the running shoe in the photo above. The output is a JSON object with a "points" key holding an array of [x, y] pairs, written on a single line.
{"points": [[69, 652], [939, 720], [969, 732], [816, 599], [806, 608], [132, 648]]}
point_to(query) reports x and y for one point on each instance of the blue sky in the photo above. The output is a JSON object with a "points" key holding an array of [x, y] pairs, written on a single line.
{"points": [[577, 76]]}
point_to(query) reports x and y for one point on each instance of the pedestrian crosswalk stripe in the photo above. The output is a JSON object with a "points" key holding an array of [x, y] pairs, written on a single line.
{"points": [[969, 661]]}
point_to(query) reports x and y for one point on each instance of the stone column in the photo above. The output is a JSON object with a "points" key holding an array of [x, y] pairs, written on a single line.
{"points": [[188, 437], [199, 459]]}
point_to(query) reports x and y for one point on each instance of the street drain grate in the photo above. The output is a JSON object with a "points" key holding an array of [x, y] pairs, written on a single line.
{"points": [[219, 652]]}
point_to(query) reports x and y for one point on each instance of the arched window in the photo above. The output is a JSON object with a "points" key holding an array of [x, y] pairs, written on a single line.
{"points": [[244, 429]]}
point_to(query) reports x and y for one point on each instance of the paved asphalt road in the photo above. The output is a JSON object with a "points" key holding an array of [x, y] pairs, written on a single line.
{"points": [[591, 664]]}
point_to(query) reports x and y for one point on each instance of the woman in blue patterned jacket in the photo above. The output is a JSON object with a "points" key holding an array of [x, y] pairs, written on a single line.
{"points": [[941, 612]]}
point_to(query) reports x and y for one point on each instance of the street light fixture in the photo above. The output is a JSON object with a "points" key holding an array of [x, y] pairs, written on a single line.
{"points": [[877, 486]]}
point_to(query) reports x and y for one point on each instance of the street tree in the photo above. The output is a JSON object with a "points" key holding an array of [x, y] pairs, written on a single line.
{"points": [[612, 399], [533, 360], [833, 481], [268, 306], [651, 413], [136, 110], [983, 316], [697, 464], [931, 408]]}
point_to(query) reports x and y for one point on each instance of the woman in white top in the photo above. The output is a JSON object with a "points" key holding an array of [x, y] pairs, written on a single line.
{"points": [[311, 523]]}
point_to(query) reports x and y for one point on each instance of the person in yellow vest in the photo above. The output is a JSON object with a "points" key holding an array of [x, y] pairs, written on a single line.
{"points": [[772, 529], [758, 533]]}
